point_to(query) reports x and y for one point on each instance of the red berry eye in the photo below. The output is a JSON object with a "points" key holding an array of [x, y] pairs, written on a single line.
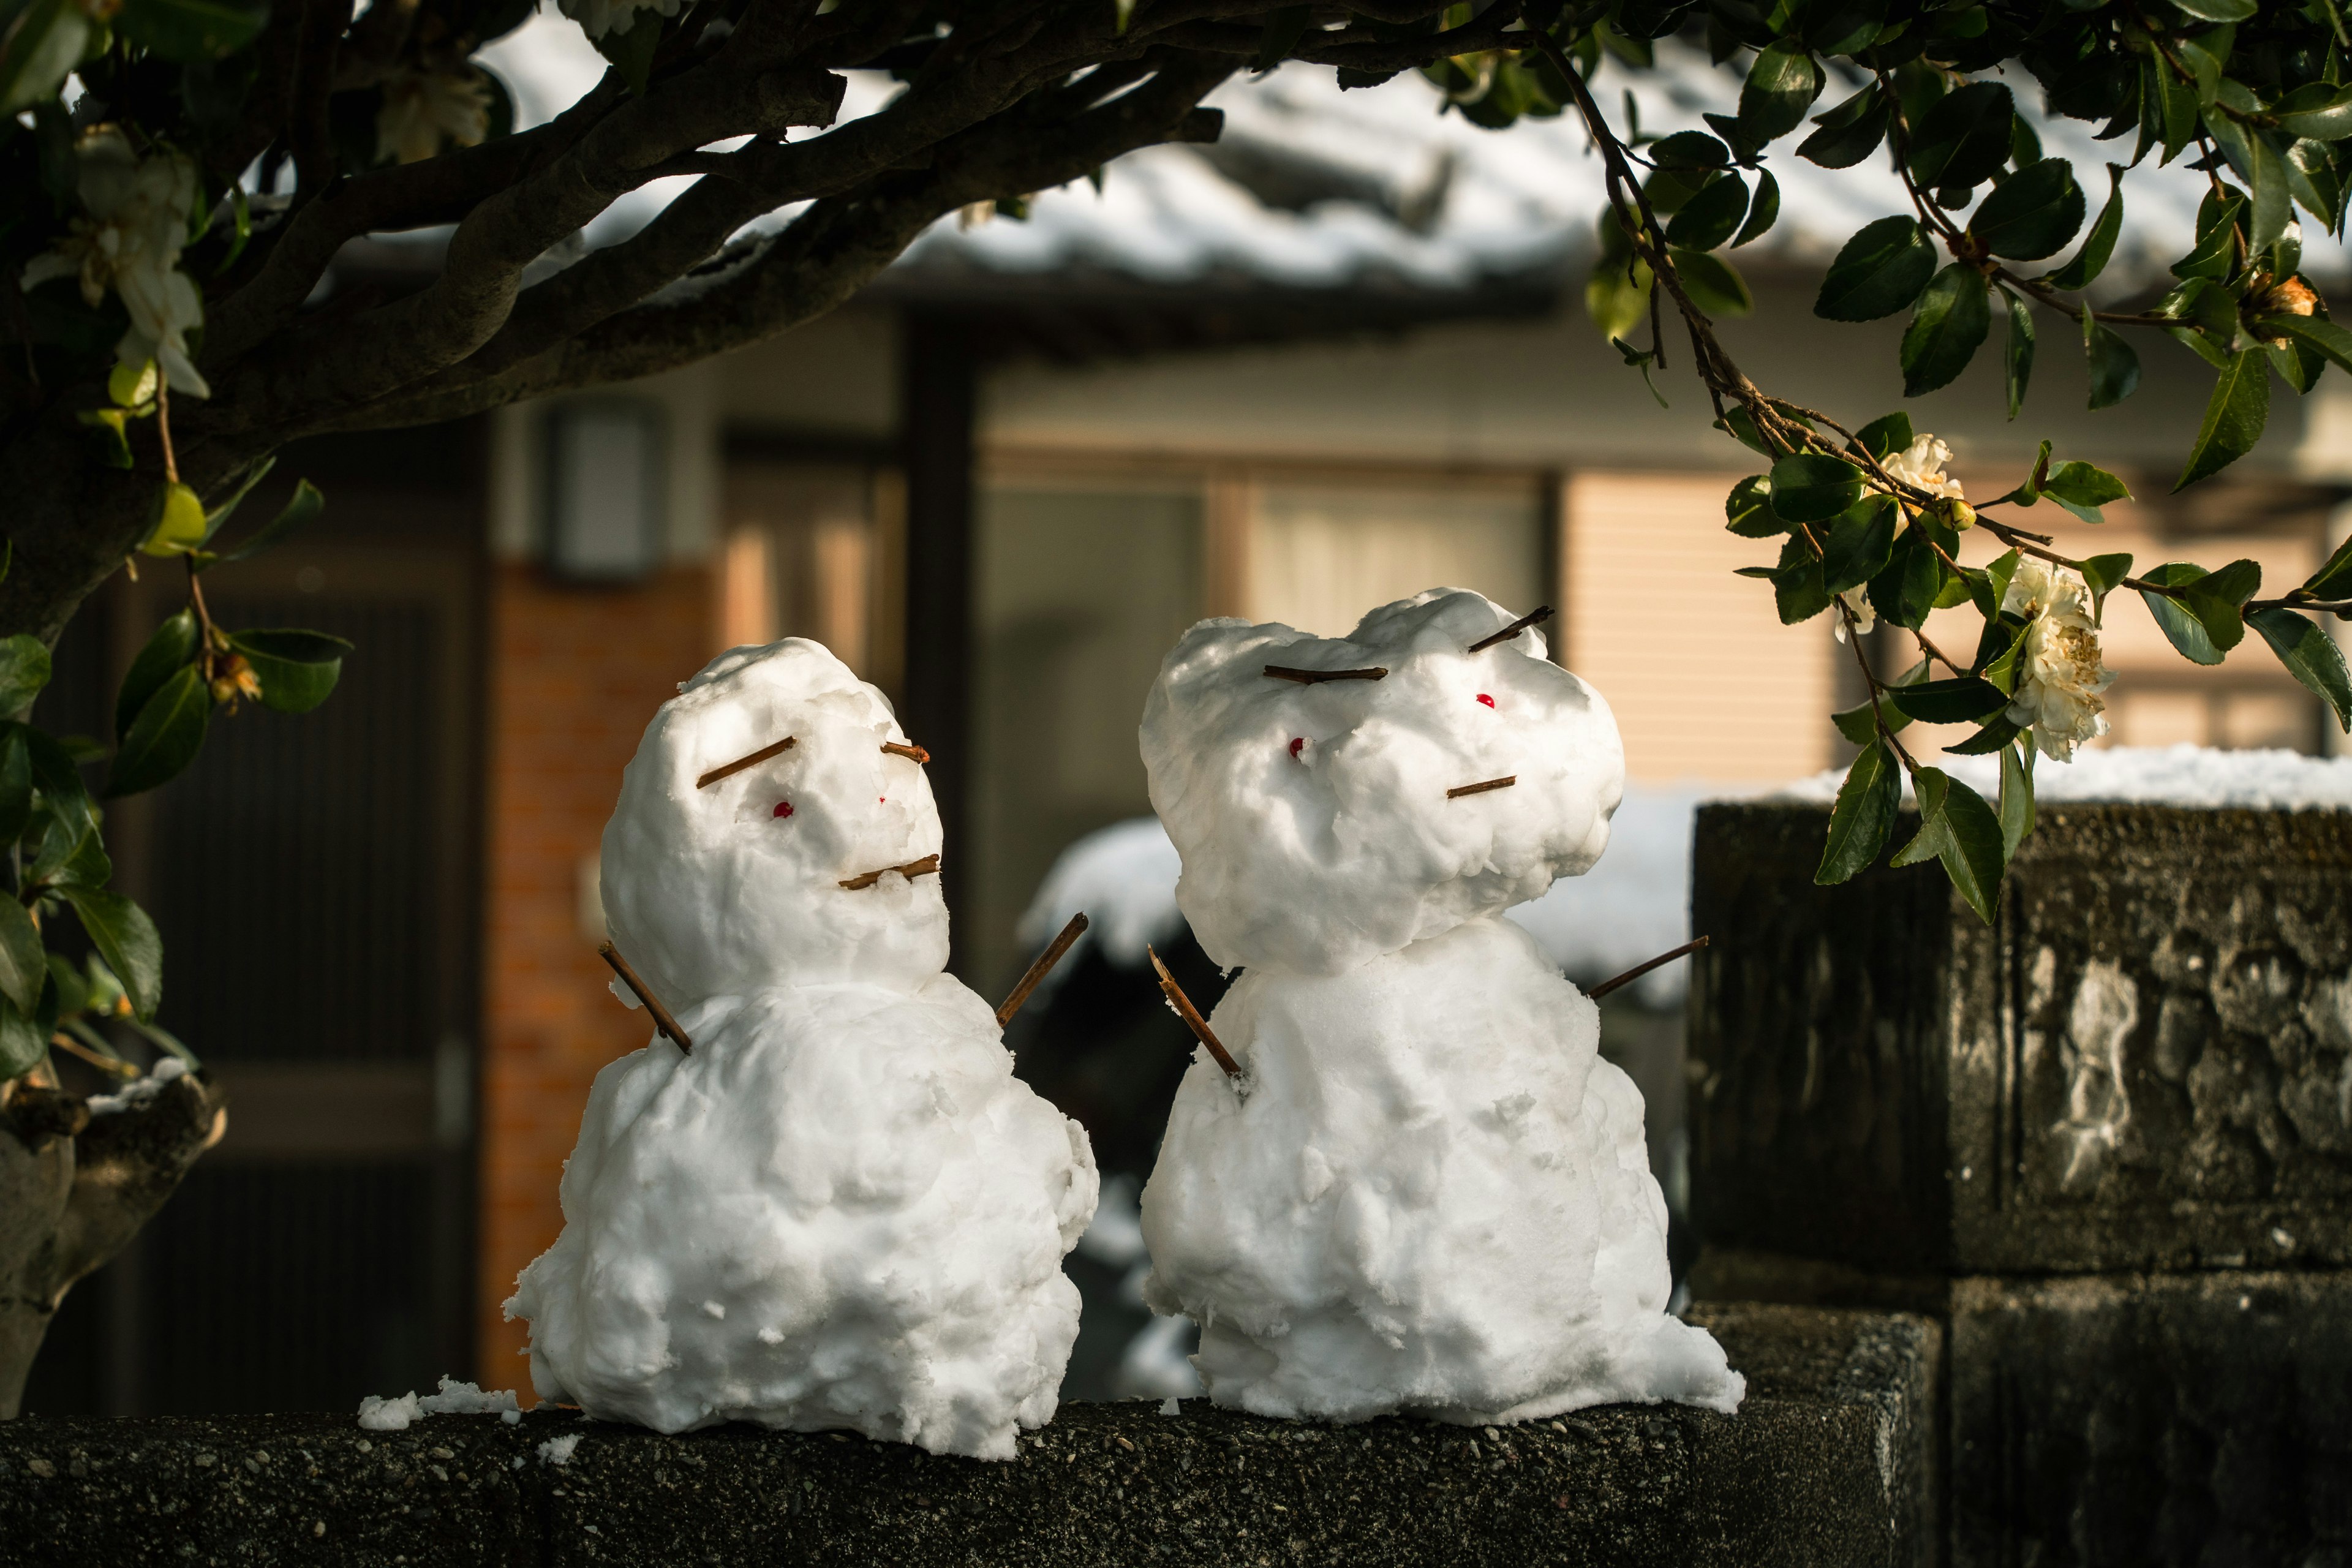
{"points": [[1297, 745], [1487, 700], [783, 808]]}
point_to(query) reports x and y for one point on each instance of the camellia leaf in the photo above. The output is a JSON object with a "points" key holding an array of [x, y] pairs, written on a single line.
{"points": [[1877, 272], [2100, 246], [296, 670], [24, 965], [2334, 578], [305, 504], [2016, 799], [59, 781], [2234, 417], [2084, 490], [1963, 699], [187, 31], [1999, 733], [15, 785], [1860, 542], [2310, 656], [2032, 214], [1866, 807], [2202, 619], [172, 648], [1887, 435], [23, 1045], [1797, 591], [1712, 284], [2103, 572], [2017, 362], [178, 522], [1812, 487], [631, 50], [1948, 326], [2318, 109], [1762, 211], [164, 737], [43, 42], [220, 514], [1710, 217], [2114, 363], [1748, 510], [1965, 139], [1690, 150], [2316, 330], [1844, 140], [1781, 85], [1957, 827], [24, 670], [2217, 10], [127, 940]]}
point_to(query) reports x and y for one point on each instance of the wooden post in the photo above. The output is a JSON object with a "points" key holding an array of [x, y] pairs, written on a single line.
{"points": [[938, 388]]}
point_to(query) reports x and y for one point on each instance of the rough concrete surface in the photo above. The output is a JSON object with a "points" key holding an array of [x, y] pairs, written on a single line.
{"points": [[2141, 1065], [1821, 1467]]}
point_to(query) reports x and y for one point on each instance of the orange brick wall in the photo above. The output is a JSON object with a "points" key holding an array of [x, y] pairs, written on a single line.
{"points": [[574, 675]]}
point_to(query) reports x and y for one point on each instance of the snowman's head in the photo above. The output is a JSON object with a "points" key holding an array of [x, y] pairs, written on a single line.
{"points": [[1323, 821], [726, 856]]}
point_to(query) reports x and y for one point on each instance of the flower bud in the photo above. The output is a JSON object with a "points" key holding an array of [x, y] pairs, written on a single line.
{"points": [[1963, 515]]}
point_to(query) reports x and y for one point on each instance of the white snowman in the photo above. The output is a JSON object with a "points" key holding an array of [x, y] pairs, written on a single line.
{"points": [[1425, 1191], [838, 1208]]}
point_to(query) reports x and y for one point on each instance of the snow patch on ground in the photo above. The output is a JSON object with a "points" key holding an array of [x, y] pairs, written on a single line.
{"points": [[140, 1091], [559, 1451], [378, 1414], [2150, 775]]}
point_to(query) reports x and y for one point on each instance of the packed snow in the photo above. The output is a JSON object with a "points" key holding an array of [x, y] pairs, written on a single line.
{"points": [[139, 1090], [1428, 1193], [559, 1451], [380, 1415], [2151, 775], [840, 1210]]}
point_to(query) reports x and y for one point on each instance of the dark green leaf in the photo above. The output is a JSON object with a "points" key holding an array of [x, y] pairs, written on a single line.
{"points": [[23, 1045], [296, 670], [1866, 807], [307, 504], [1281, 34], [632, 51], [1762, 211], [2084, 485], [2103, 572], [1797, 591], [2032, 214], [1748, 509], [36, 50], [1860, 722], [15, 787], [2017, 362], [1906, 590], [1877, 272], [2318, 331], [1948, 326], [2091, 259], [2310, 656], [1991, 738], [2334, 578], [1843, 145], [1965, 138], [59, 781], [2178, 102], [2016, 800], [23, 966], [1887, 435], [2216, 10], [2234, 417], [1690, 150], [1961, 700], [1861, 541], [126, 939], [1814, 488], [2201, 618], [1957, 827], [87, 866], [1712, 216], [186, 31], [1781, 85], [1712, 284], [2318, 109], [24, 670], [170, 649], [2271, 207], [73, 991], [222, 512], [165, 735], [2114, 363]]}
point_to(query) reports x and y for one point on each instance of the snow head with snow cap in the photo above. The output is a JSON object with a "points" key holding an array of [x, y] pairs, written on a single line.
{"points": [[1420, 1188], [1335, 799], [774, 826]]}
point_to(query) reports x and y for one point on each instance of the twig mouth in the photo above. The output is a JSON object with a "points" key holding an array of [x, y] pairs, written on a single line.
{"points": [[1458, 791], [1534, 617], [728, 770], [1317, 677], [928, 865]]}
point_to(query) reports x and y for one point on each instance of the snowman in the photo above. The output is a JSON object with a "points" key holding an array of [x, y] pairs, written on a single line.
{"points": [[1424, 1190], [835, 1206]]}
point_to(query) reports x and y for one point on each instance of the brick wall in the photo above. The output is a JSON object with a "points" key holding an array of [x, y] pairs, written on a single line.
{"points": [[574, 675]]}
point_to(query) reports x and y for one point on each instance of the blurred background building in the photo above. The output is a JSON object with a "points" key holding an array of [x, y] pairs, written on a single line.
{"points": [[1336, 358]]}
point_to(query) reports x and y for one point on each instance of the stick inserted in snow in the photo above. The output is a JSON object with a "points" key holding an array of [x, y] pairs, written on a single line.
{"points": [[1639, 970], [1192, 1015], [910, 870], [1505, 782], [726, 769], [1534, 617], [1042, 968], [662, 1020], [1317, 677], [907, 749]]}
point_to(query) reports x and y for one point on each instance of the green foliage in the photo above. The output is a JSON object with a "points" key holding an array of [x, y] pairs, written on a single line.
{"points": [[1958, 828], [1866, 807], [1948, 326]]}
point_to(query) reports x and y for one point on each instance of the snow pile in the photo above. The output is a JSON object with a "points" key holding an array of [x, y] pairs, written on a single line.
{"points": [[2151, 775], [1315, 821], [141, 1090], [1429, 1193], [559, 1451], [840, 1210], [380, 1415]]}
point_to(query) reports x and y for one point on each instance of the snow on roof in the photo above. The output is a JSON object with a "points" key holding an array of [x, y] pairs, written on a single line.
{"points": [[2152, 776], [1311, 186]]}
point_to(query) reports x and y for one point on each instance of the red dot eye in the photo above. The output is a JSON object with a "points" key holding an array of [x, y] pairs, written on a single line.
{"points": [[1297, 745], [783, 808], [1487, 700]]}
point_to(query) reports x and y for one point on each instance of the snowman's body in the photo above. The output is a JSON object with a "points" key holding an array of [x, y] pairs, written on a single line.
{"points": [[840, 1210], [1428, 1193]]}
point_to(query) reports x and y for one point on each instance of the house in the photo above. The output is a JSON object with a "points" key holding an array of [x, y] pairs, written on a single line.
{"points": [[1336, 358]]}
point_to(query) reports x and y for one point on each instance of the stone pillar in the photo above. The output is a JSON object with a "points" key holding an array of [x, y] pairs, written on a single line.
{"points": [[2108, 1139]]}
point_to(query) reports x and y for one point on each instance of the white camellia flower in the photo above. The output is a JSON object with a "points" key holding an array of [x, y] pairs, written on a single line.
{"points": [[599, 17], [423, 109], [2059, 673], [1857, 599], [136, 219], [1922, 464]]}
